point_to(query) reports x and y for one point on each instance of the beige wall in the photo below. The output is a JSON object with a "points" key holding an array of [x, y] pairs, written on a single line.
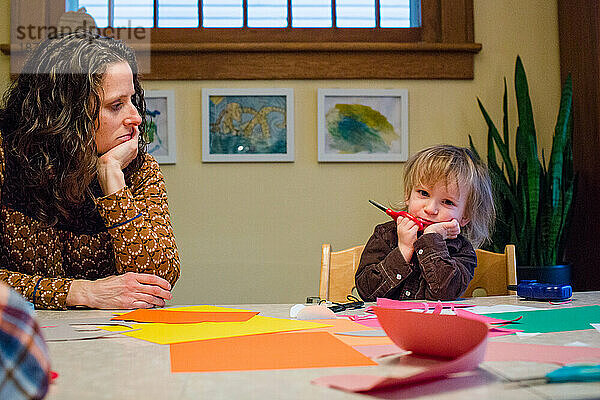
{"points": [[252, 232]]}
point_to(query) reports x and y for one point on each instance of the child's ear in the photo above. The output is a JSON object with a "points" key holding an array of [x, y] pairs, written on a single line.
{"points": [[464, 221]]}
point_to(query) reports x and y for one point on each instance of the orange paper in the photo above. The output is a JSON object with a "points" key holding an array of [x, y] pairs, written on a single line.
{"points": [[184, 317], [269, 351]]}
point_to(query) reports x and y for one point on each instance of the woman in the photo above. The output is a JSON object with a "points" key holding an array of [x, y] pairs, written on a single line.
{"points": [[84, 218]]}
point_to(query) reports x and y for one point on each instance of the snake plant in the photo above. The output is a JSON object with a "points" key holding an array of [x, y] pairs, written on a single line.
{"points": [[533, 201]]}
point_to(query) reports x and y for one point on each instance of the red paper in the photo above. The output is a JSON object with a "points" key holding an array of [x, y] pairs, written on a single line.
{"points": [[269, 351], [460, 341], [184, 317]]}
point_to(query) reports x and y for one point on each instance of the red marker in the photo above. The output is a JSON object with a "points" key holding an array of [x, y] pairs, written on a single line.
{"points": [[422, 223]]}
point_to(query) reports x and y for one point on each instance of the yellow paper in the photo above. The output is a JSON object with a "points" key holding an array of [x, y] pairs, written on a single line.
{"points": [[177, 333]]}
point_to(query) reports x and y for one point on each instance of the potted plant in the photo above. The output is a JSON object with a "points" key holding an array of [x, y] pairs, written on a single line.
{"points": [[533, 200]]}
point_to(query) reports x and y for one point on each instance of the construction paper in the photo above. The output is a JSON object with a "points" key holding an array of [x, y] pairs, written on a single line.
{"points": [[177, 333], [170, 316], [380, 350], [501, 308], [501, 351], [261, 352], [459, 342], [343, 325], [554, 319], [371, 333], [406, 305]]}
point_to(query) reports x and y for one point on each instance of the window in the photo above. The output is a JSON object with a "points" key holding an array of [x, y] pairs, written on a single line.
{"points": [[437, 45], [252, 13]]}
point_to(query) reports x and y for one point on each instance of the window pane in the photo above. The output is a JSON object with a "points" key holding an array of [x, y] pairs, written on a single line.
{"points": [[267, 13], [98, 9], [178, 14], [222, 14], [134, 13], [311, 14], [395, 13], [355, 13]]}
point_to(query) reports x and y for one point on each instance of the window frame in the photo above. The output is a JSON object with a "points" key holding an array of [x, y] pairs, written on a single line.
{"points": [[442, 48]]}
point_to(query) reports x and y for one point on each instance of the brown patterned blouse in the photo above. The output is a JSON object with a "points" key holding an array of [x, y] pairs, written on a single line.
{"points": [[129, 230]]}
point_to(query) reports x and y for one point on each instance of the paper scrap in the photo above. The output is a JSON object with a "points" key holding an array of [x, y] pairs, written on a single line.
{"points": [[596, 327], [524, 335], [370, 333], [503, 351], [462, 341], [344, 325], [169, 316], [66, 332], [381, 350], [177, 333], [262, 352], [577, 344]]}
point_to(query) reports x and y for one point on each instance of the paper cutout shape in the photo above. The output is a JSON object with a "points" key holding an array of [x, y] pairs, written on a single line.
{"points": [[553, 319], [459, 341], [344, 325], [382, 350], [170, 316], [370, 333], [501, 351], [63, 330], [407, 305], [177, 333], [261, 352]]}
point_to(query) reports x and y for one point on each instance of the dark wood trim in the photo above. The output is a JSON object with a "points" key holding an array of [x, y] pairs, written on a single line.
{"points": [[443, 48], [579, 34]]}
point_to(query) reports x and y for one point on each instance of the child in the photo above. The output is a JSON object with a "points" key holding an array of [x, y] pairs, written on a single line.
{"points": [[451, 188]]}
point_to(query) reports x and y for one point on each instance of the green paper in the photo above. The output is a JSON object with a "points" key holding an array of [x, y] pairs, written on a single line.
{"points": [[553, 319]]}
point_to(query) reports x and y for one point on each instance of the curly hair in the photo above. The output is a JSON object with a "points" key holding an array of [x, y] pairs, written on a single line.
{"points": [[456, 165], [49, 117]]}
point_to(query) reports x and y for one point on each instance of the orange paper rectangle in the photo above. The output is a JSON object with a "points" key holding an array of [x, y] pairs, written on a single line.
{"points": [[261, 352], [184, 317]]}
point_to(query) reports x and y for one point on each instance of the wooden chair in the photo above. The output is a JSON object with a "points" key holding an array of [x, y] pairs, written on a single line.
{"points": [[337, 272], [493, 273]]}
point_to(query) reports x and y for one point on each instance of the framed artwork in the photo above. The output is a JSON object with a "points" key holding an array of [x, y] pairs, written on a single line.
{"points": [[160, 116], [363, 125], [246, 125]]}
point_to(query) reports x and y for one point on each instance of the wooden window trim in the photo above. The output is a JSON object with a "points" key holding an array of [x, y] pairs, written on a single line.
{"points": [[443, 48]]}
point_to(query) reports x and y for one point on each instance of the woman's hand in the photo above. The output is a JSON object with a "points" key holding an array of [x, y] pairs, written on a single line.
{"points": [[130, 290], [407, 235], [112, 163], [448, 230]]}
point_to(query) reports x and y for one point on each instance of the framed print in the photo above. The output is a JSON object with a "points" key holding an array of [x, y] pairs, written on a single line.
{"points": [[245, 125], [160, 117], [363, 125]]}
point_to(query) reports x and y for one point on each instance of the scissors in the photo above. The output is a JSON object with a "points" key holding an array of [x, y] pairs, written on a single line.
{"points": [[422, 223]]}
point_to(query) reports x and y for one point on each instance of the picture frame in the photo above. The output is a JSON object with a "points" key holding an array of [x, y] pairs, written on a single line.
{"points": [[362, 125], [160, 117], [247, 125]]}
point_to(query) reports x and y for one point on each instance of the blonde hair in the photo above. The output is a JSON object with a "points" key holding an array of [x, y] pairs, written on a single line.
{"points": [[456, 165]]}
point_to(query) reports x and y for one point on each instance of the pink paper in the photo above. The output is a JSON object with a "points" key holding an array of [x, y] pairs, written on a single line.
{"points": [[460, 341], [407, 305], [500, 351]]}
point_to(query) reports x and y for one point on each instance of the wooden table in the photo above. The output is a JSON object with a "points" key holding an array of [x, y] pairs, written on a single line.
{"points": [[122, 368]]}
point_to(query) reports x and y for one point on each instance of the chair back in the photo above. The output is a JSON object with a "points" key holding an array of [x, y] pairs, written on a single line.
{"points": [[337, 272], [493, 273]]}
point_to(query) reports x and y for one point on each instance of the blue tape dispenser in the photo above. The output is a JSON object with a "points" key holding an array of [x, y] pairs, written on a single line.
{"points": [[533, 290]]}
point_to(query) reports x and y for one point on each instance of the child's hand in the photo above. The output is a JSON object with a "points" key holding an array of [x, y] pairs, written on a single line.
{"points": [[407, 235], [448, 230]]}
